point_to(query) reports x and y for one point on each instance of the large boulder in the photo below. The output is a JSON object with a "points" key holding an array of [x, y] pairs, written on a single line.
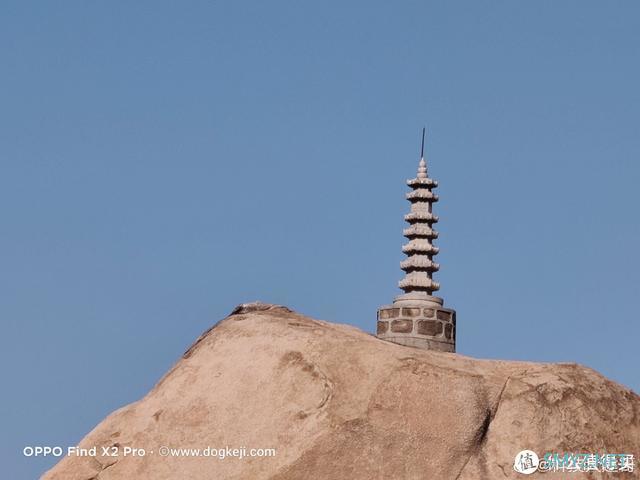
{"points": [[337, 403]]}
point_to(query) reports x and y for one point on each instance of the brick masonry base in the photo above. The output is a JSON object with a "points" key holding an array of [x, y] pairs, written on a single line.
{"points": [[430, 328]]}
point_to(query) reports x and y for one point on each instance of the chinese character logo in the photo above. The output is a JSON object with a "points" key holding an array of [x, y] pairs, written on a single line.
{"points": [[526, 462]]}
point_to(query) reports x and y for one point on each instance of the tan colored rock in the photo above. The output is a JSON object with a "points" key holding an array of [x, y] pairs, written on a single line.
{"points": [[337, 403]]}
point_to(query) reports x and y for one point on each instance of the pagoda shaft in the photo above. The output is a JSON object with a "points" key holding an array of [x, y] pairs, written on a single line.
{"points": [[419, 266]]}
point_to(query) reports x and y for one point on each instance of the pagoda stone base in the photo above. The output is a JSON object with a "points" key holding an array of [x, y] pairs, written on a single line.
{"points": [[418, 320]]}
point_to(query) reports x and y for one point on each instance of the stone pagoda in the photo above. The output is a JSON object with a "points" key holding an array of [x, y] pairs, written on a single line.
{"points": [[417, 318]]}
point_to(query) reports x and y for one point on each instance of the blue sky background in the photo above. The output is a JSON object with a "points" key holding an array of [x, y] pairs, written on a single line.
{"points": [[161, 162]]}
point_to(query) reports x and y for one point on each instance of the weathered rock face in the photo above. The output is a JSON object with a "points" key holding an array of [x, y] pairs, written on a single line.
{"points": [[337, 403]]}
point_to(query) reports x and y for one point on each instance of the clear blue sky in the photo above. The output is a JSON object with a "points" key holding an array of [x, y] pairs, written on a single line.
{"points": [[161, 162]]}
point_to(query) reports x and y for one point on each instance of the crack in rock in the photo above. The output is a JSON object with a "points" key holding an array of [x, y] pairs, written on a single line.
{"points": [[481, 434]]}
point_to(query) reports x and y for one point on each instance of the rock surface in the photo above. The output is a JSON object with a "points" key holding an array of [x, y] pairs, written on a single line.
{"points": [[337, 403]]}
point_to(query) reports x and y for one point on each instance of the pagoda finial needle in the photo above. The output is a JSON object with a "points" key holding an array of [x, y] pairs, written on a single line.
{"points": [[422, 147]]}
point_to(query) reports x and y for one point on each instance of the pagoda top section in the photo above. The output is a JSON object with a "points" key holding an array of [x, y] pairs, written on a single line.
{"points": [[419, 266]]}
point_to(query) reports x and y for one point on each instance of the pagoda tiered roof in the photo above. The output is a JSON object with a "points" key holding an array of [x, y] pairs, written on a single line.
{"points": [[419, 230], [422, 194], [419, 262], [417, 281]]}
